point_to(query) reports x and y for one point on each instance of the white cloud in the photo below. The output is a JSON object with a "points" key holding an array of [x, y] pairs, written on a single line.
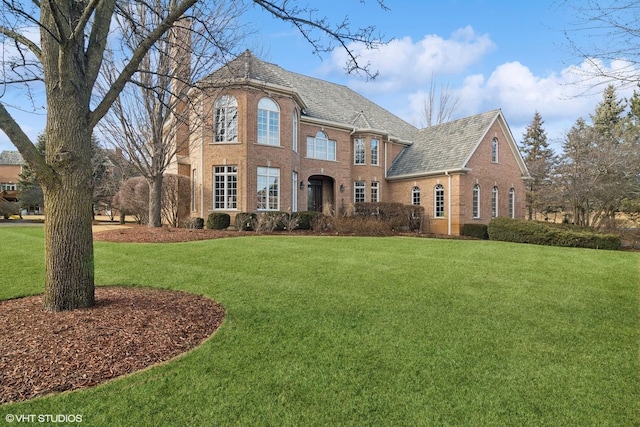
{"points": [[404, 63], [560, 97]]}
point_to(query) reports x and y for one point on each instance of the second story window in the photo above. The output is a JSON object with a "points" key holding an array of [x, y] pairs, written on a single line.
{"points": [[294, 131], [374, 152], [321, 147], [268, 122], [358, 151], [226, 119]]}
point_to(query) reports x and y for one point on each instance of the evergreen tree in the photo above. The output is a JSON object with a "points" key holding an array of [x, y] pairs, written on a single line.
{"points": [[539, 159]]}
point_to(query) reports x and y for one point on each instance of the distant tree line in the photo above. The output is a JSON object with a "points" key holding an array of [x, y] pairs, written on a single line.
{"points": [[597, 175]]}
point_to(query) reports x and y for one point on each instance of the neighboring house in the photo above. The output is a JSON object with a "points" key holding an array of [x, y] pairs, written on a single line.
{"points": [[10, 169], [267, 139]]}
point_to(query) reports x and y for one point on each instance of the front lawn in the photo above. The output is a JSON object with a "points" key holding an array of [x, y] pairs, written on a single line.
{"points": [[371, 331]]}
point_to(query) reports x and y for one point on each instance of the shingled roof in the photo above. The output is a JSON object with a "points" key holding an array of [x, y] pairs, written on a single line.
{"points": [[322, 100], [11, 158], [443, 147]]}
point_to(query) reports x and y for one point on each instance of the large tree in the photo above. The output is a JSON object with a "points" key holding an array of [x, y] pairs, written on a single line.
{"points": [[539, 158], [601, 163], [74, 37], [148, 122]]}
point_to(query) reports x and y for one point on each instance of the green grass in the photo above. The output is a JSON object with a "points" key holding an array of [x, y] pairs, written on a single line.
{"points": [[371, 331]]}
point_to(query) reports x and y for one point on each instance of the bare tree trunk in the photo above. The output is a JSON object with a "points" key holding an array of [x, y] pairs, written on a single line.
{"points": [[68, 196], [155, 201]]}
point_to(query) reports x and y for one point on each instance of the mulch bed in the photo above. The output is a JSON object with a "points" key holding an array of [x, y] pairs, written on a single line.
{"points": [[127, 330]]}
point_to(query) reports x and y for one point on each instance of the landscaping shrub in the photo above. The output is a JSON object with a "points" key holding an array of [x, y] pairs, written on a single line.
{"points": [[194, 223], [306, 219], [396, 215], [271, 221], [246, 221], [218, 221], [478, 231], [361, 226], [520, 231]]}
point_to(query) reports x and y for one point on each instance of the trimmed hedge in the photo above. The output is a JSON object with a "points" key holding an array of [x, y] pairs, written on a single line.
{"points": [[540, 233], [479, 231], [218, 221]]}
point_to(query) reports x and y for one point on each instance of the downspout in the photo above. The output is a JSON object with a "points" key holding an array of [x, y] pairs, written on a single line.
{"points": [[448, 204], [202, 163]]}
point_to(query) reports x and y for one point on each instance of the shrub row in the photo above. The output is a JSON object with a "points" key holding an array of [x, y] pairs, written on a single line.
{"points": [[479, 231], [396, 215], [520, 231]]}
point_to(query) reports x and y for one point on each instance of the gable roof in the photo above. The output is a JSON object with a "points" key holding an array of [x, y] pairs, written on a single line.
{"points": [[445, 147], [321, 100], [11, 158]]}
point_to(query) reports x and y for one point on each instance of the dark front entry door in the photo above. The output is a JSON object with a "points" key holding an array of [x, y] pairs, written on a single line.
{"points": [[314, 195]]}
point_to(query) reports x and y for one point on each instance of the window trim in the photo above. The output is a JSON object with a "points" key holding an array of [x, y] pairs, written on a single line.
{"points": [[314, 142], [229, 105], [375, 191], [512, 202], [494, 202], [415, 195], [271, 173], [359, 189], [494, 150], [359, 151], [438, 201], [374, 151], [267, 117], [475, 202], [230, 188]]}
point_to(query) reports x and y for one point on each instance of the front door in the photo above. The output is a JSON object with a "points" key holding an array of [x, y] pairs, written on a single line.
{"points": [[314, 195]]}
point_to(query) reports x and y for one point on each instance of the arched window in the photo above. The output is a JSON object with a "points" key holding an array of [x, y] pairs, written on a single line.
{"points": [[494, 202], [476, 201], [268, 122], [415, 196], [226, 120], [494, 150], [438, 201], [321, 147], [512, 203]]}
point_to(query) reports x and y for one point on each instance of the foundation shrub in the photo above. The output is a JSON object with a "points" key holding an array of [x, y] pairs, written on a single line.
{"points": [[361, 226], [271, 221], [306, 219], [194, 223], [479, 231], [540, 233], [396, 215], [218, 221], [246, 221]]}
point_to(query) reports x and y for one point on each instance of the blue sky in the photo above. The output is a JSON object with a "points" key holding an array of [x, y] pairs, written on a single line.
{"points": [[494, 54]]}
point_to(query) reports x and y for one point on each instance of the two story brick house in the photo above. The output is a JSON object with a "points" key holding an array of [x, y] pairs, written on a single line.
{"points": [[267, 139]]}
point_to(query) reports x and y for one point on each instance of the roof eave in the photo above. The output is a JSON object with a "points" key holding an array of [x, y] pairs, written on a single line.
{"points": [[451, 171]]}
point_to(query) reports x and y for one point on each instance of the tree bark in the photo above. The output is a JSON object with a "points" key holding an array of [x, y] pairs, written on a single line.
{"points": [[68, 189], [155, 201]]}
